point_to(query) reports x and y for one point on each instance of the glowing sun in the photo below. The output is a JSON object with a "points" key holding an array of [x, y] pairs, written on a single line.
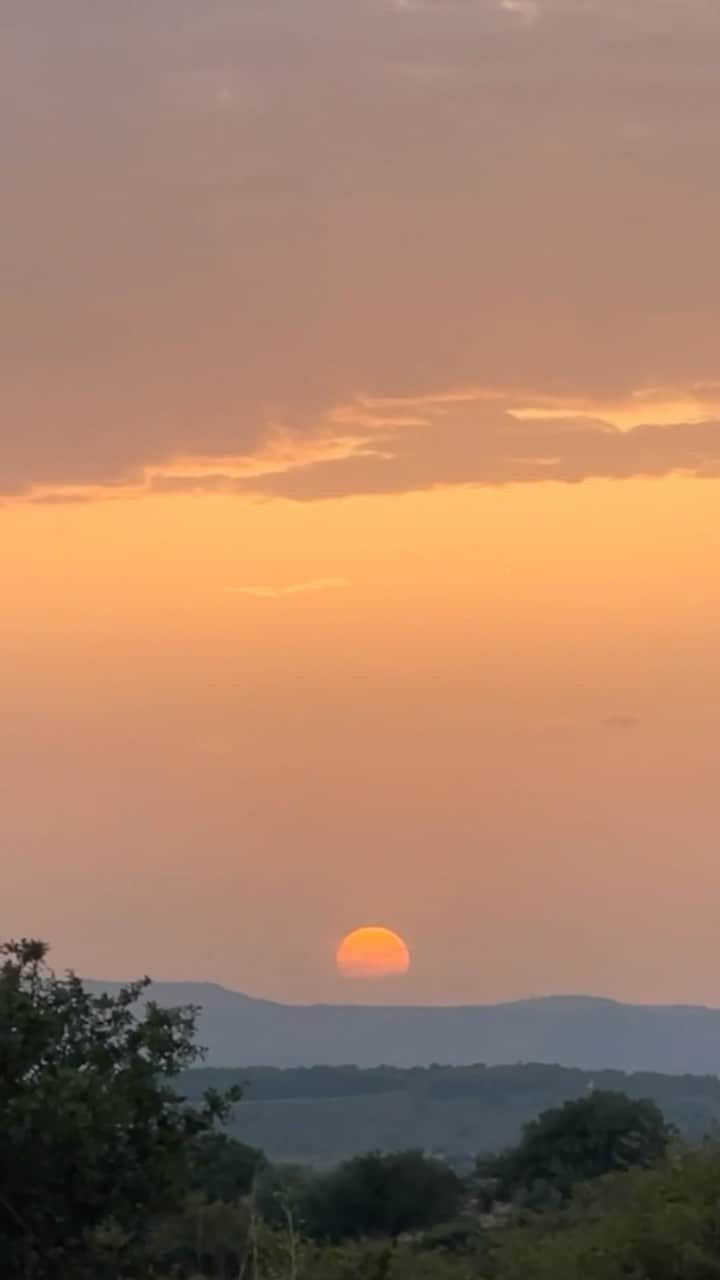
{"points": [[372, 952]]}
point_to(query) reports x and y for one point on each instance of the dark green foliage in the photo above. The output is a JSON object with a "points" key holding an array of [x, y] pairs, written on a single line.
{"points": [[221, 1168], [361, 1260], [658, 1224], [644, 1224], [462, 1236], [584, 1139], [94, 1140], [282, 1194], [382, 1195], [201, 1239]]}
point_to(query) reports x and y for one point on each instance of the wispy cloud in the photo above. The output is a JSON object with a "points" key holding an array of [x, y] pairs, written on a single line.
{"points": [[293, 589], [528, 11]]}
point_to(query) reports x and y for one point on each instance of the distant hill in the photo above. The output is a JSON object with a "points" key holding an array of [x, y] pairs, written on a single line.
{"points": [[321, 1115], [572, 1031]]}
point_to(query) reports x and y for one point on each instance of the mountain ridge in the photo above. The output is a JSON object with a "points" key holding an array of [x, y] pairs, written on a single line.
{"points": [[560, 999], [574, 1031]]}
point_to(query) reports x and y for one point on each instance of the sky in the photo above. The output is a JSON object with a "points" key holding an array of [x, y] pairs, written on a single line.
{"points": [[360, 492]]}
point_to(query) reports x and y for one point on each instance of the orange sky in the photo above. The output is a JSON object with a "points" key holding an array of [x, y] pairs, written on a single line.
{"points": [[360, 476]]}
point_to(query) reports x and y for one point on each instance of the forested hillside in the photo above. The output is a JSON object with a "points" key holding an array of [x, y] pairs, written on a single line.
{"points": [[324, 1114]]}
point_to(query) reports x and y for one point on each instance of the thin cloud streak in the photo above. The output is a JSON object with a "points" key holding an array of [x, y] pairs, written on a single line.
{"points": [[293, 589]]}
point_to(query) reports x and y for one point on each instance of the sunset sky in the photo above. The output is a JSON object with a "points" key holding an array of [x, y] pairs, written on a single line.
{"points": [[360, 491]]}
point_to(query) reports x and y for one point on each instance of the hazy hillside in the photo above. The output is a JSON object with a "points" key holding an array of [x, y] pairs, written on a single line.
{"points": [[324, 1114], [572, 1031]]}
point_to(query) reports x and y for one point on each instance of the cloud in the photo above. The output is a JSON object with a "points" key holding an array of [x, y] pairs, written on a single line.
{"points": [[622, 722], [294, 589], [246, 236], [482, 445], [482, 437]]}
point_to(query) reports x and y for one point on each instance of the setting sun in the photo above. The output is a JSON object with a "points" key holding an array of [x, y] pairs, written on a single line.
{"points": [[372, 952]]}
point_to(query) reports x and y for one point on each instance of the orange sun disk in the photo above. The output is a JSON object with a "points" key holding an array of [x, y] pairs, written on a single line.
{"points": [[372, 952]]}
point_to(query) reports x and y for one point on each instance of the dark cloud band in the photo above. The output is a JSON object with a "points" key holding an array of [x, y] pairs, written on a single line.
{"points": [[225, 219]]}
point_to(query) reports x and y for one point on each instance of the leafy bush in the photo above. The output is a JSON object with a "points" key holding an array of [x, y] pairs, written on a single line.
{"points": [[382, 1195], [94, 1140], [584, 1139]]}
